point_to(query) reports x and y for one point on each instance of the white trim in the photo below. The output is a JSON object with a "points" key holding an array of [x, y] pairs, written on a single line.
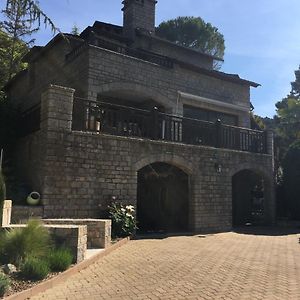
{"points": [[213, 102]]}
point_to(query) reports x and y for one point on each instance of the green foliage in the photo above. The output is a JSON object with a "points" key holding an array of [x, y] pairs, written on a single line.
{"points": [[123, 221], [34, 14], [4, 284], [291, 179], [288, 113], [60, 259], [20, 243], [11, 54], [75, 30], [194, 33], [35, 268]]}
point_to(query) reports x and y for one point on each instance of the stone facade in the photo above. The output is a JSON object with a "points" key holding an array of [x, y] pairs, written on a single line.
{"points": [[82, 171], [78, 173]]}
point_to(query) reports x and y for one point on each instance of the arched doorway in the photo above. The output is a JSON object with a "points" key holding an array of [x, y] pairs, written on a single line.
{"points": [[248, 198], [162, 199]]}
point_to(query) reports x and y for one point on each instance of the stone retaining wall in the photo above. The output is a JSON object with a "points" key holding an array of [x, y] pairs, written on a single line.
{"points": [[21, 214], [71, 236], [98, 231]]}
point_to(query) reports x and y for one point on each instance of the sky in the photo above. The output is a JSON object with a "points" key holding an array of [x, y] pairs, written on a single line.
{"points": [[262, 37]]}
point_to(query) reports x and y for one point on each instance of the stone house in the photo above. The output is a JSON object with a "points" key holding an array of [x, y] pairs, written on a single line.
{"points": [[119, 112]]}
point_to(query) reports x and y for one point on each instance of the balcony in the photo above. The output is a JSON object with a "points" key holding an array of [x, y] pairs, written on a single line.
{"points": [[101, 117]]}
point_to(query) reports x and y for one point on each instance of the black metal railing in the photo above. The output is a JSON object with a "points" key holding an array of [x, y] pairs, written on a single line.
{"points": [[129, 121], [30, 120]]}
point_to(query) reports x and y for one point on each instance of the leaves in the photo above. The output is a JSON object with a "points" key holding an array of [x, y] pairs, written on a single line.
{"points": [[193, 33], [33, 12]]}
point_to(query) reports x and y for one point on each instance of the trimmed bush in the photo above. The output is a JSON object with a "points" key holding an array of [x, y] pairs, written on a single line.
{"points": [[4, 284], [21, 243], [60, 259], [35, 269]]}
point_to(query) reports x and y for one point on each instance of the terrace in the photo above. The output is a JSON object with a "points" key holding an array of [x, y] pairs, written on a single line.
{"points": [[120, 120]]}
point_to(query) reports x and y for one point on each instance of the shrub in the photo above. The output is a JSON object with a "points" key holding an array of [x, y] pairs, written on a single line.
{"points": [[291, 179], [21, 243], [35, 269], [60, 259], [4, 284], [123, 221]]}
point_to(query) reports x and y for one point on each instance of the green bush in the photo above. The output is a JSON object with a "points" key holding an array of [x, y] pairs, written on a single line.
{"points": [[4, 284], [60, 259], [123, 221], [291, 179], [21, 243], [35, 269]]}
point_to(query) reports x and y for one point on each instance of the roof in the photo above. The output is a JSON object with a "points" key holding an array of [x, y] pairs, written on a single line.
{"points": [[150, 35]]}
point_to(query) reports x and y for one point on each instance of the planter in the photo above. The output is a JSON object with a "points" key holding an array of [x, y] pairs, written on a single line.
{"points": [[33, 198]]}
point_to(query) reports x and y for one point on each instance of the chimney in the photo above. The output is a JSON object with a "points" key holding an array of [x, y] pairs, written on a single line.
{"points": [[138, 14]]}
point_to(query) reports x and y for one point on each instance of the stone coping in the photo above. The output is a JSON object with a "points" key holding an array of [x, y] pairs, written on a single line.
{"points": [[43, 286], [73, 220]]}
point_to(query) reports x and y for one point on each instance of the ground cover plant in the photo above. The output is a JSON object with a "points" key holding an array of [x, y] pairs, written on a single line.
{"points": [[4, 284], [60, 259]]}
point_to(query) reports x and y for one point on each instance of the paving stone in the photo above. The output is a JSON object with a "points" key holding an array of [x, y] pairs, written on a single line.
{"points": [[221, 266]]}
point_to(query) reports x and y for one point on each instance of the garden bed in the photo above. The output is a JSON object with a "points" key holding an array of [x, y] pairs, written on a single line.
{"points": [[18, 284]]}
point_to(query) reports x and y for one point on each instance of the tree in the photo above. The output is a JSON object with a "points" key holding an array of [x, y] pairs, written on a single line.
{"points": [[291, 179], [11, 54], [288, 113], [193, 33], [75, 30], [34, 12]]}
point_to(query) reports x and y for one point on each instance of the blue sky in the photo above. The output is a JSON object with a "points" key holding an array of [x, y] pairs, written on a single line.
{"points": [[262, 36]]}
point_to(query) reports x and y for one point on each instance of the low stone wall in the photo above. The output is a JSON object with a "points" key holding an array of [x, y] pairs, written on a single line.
{"points": [[98, 231], [21, 214], [72, 236]]}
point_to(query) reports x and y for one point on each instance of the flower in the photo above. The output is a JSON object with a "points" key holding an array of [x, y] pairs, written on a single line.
{"points": [[130, 208]]}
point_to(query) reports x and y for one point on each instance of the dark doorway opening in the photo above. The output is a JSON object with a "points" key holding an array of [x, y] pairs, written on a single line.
{"points": [[162, 199], [248, 198]]}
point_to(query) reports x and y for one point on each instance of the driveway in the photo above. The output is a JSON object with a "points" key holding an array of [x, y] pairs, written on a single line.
{"points": [[219, 266]]}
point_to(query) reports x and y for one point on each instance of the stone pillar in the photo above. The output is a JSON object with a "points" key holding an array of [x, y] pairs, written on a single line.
{"points": [[57, 109], [270, 142], [6, 213]]}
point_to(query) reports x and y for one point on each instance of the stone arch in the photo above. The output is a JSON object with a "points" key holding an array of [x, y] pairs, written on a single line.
{"points": [[249, 166], [178, 161], [268, 194], [139, 89]]}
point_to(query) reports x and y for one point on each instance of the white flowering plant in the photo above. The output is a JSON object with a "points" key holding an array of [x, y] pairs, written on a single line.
{"points": [[123, 220]]}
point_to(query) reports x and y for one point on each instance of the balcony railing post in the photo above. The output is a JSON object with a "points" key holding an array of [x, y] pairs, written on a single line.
{"points": [[218, 127], [155, 123]]}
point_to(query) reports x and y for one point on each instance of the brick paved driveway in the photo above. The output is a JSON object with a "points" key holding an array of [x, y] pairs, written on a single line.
{"points": [[220, 266]]}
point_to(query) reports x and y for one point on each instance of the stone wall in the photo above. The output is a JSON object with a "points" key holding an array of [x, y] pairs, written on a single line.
{"points": [[82, 171], [110, 72], [96, 71], [71, 236], [6, 213], [98, 231], [21, 213]]}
